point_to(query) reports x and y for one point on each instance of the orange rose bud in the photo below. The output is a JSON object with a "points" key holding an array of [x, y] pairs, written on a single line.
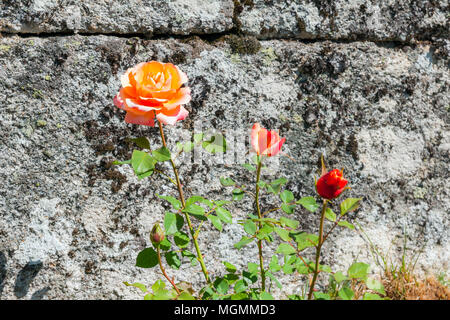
{"points": [[331, 184], [153, 89], [264, 142], [156, 235]]}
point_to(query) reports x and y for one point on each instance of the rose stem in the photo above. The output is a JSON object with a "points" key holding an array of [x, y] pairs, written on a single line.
{"points": [[318, 248], [183, 203], [261, 263], [164, 271]]}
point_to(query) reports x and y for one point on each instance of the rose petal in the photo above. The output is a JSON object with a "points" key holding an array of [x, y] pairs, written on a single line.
{"points": [[275, 148], [254, 137], [172, 116], [183, 97], [147, 119]]}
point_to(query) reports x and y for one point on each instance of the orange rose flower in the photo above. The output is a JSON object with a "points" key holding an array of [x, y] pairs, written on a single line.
{"points": [[153, 89], [330, 185], [264, 142]]}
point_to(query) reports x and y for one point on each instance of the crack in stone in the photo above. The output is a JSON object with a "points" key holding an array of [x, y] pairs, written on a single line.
{"points": [[211, 37]]}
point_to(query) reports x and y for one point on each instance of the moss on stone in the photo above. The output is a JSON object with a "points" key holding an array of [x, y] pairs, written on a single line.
{"points": [[244, 44]]}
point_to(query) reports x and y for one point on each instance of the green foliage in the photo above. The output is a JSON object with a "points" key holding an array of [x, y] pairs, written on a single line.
{"points": [[142, 142], [143, 164], [358, 270], [224, 215], [286, 196], [349, 205], [227, 181], [162, 154], [172, 223], [176, 204], [346, 225], [238, 194], [173, 260], [147, 258], [330, 215], [243, 242], [309, 203]]}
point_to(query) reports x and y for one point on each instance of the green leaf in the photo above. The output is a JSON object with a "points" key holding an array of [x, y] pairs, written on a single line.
{"points": [[358, 270], [221, 285], [330, 215], [224, 215], [217, 143], [238, 194], [227, 181], [375, 285], [164, 294], [346, 225], [188, 146], [173, 260], [192, 257], [165, 244], [346, 293], [195, 199], [275, 186], [289, 223], [244, 241], [172, 223], [198, 137], [265, 296], [181, 239], [142, 142], [239, 296], [117, 162], [309, 203], [285, 249], [147, 258], [161, 154], [288, 208], [339, 277], [249, 167], [142, 163], [215, 222], [274, 265], [240, 286], [148, 296], [179, 146], [229, 267], [371, 296], [264, 231], [196, 211], [159, 284], [321, 296], [253, 267], [349, 205], [185, 296], [283, 233], [286, 196], [262, 184], [138, 285], [305, 240], [250, 227], [176, 204]]}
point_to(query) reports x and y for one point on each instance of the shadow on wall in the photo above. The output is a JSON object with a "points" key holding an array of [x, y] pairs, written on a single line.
{"points": [[23, 279]]}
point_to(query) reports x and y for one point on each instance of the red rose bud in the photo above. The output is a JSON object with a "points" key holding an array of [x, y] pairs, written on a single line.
{"points": [[156, 235], [331, 184]]}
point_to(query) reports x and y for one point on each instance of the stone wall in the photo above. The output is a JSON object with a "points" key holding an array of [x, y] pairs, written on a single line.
{"points": [[364, 82]]}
